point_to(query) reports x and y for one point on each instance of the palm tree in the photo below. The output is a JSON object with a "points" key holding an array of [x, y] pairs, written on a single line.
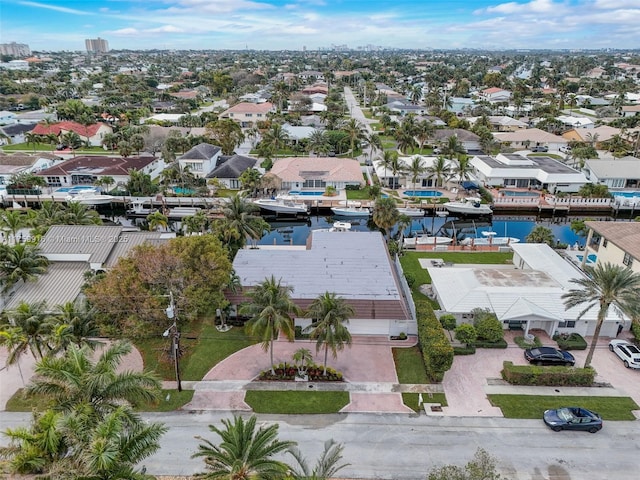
{"points": [[326, 467], [453, 147], [385, 214], [75, 379], [241, 215], [405, 135], [416, 169], [441, 170], [275, 137], [541, 234], [32, 138], [605, 285], [318, 142], [30, 329], [355, 131], [246, 452], [301, 358], [78, 214], [387, 160], [20, 262], [329, 314], [424, 131], [462, 169], [374, 142], [270, 309], [12, 221], [398, 167], [74, 325], [157, 220]]}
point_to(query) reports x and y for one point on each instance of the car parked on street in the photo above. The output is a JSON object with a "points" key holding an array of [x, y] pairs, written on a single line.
{"points": [[572, 418], [549, 356], [628, 352]]}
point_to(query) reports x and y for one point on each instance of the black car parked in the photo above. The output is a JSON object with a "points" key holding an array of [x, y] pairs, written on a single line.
{"points": [[549, 356], [572, 418]]}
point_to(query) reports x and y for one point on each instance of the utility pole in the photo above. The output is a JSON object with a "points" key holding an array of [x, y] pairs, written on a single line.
{"points": [[175, 338]]}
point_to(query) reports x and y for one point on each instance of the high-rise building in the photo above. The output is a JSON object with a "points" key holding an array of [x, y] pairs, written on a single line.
{"points": [[96, 45], [15, 49]]}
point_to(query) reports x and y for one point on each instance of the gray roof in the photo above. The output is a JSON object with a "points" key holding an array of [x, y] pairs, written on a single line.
{"points": [[203, 151], [89, 243], [127, 242], [546, 164], [627, 167], [18, 128], [61, 284], [232, 167], [463, 135]]}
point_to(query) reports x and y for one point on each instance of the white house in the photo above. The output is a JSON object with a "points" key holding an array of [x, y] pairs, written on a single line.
{"points": [[201, 159], [7, 118], [620, 173], [495, 94], [571, 121], [527, 295], [513, 170], [13, 164], [247, 114], [530, 137]]}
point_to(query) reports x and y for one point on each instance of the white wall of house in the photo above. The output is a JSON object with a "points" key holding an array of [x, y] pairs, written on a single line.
{"points": [[200, 168]]}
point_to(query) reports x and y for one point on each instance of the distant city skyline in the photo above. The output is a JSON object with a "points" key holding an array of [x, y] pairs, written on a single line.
{"points": [[52, 25]]}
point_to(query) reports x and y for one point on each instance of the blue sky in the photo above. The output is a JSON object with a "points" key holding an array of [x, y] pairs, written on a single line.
{"points": [[292, 24]]}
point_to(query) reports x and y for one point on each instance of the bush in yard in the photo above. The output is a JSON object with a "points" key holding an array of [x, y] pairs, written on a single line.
{"points": [[487, 325], [572, 341], [547, 376], [437, 352], [448, 322], [635, 329], [466, 333]]}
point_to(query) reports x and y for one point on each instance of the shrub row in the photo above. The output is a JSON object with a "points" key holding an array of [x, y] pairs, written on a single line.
{"points": [[547, 376], [437, 352], [464, 350], [502, 343], [573, 341], [635, 329], [287, 372]]}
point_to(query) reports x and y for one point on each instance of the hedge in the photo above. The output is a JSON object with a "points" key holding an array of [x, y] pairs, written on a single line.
{"points": [[635, 329], [464, 350], [547, 376], [437, 352], [573, 341], [502, 343]]}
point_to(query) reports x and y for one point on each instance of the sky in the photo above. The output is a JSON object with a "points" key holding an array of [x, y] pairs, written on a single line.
{"points": [[293, 24]]}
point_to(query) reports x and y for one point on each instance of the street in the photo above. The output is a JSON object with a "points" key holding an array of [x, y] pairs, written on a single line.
{"points": [[408, 446]]}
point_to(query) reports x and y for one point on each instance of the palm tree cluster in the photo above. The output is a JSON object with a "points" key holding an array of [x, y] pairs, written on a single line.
{"points": [[250, 451]]}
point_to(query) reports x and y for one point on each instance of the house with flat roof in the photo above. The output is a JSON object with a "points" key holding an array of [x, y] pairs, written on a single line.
{"points": [[619, 173], [539, 172], [317, 172], [526, 295], [354, 265], [614, 242]]}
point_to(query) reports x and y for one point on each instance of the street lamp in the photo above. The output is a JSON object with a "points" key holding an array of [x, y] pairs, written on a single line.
{"points": [[175, 339]]}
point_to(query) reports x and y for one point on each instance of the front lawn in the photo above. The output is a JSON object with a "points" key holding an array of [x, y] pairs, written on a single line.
{"points": [[20, 402], [409, 365], [411, 400], [202, 345], [170, 400], [533, 406], [361, 194], [296, 402]]}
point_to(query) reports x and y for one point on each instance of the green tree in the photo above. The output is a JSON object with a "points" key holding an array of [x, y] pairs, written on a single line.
{"points": [[226, 133], [250, 179], [416, 169], [275, 138], [604, 285], [386, 162], [140, 184], [424, 131], [242, 216], [385, 214], [247, 451], [330, 314], [74, 324], [541, 234], [448, 322], [356, 132], [12, 221], [30, 329], [462, 169], [481, 467], [487, 325], [466, 333], [157, 220], [77, 213], [326, 467], [441, 170], [20, 262], [270, 308], [453, 147], [319, 143]]}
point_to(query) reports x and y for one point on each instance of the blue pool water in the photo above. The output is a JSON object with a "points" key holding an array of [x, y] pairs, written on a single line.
{"points": [[306, 193], [626, 194], [514, 193], [77, 188], [422, 193], [183, 191], [591, 258]]}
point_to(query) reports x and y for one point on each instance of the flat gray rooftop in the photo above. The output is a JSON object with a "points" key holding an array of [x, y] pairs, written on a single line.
{"points": [[546, 164]]}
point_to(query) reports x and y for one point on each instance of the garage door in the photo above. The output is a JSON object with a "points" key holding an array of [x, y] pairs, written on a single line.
{"points": [[369, 327]]}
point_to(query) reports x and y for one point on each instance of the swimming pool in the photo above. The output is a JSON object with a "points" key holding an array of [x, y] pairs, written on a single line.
{"points": [[305, 193], [516, 193], [183, 191], [626, 194], [591, 258], [422, 193], [76, 189]]}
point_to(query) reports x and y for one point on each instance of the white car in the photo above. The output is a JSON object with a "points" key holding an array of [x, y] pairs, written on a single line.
{"points": [[566, 149], [628, 352]]}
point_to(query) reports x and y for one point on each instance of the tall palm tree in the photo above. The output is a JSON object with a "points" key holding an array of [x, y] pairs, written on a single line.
{"points": [[157, 220], [355, 131], [326, 467], [462, 169], [329, 314], [242, 216], [405, 135], [605, 285], [30, 329], [12, 221], [424, 131], [441, 170], [246, 452], [374, 142], [541, 234], [416, 170], [453, 147], [78, 214], [385, 214], [387, 160], [275, 137], [270, 309], [319, 143], [398, 168], [75, 379], [74, 323], [20, 262]]}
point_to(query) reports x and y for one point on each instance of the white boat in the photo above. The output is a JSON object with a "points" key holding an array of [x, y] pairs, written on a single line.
{"points": [[90, 197], [351, 211], [469, 206], [182, 212], [442, 213], [426, 240], [340, 227], [282, 205], [489, 239], [411, 211]]}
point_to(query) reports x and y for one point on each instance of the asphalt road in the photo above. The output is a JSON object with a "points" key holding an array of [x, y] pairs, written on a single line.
{"points": [[406, 447]]}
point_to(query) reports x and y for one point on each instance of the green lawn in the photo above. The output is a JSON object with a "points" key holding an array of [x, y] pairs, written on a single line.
{"points": [[20, 402], [46, 147], [295, 402], [411, 400], [409, 365], [362, 194], [202, 345], [533, 406], [170, 400]]}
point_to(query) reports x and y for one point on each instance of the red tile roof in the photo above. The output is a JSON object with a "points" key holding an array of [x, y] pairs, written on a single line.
{"points": [[57, 128]]}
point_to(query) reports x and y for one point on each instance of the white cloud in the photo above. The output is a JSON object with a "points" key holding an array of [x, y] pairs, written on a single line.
{"points": [[165, 29], [57, 8], [535, 6]]}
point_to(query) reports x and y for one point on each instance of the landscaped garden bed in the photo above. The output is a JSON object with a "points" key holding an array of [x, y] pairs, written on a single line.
{"points": [[286, 372], [572, 341], [547, 376]]}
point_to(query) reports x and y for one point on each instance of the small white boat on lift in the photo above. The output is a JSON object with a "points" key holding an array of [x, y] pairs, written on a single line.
{"points": [[489, 239], [412, 242], [468, 206], [411, 211], [89, 197], [351, 211], [282, 205], [340, 227]]}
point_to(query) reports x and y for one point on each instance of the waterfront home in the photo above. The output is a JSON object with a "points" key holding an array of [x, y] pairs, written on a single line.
{"points": [[354, 265], [201, 159], [230, 167], [526, 296], [387, 177], [317, 172], [614, 242], [539, 172], [620, 173], [530, 137], [13, 164]]}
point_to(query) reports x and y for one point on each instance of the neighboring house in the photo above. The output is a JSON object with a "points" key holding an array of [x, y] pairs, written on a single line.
{"points": [[72, 251], [7, 118], [201, 159], [614, 242], [621, 173], [469, 140], [296, 133], [502, 123], [571, 121], [387, 178], [260, 96], [230, 168], [92, 134], [527, 296], [86, 170], [12, 164], [317, 172], [513, 170], [595, 135], [530, 137], [630, 110], [311, 75], [247, 114], [355, 266], [321, 89], [15, 133], [405, 108], [495, 94], [166, 117]]}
